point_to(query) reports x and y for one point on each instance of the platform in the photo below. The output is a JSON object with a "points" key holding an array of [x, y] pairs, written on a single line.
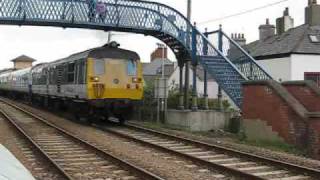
{"points": [[11, 168]]}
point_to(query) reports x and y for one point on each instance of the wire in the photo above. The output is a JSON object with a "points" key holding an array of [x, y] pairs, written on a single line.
{"points": [[243, 12]]}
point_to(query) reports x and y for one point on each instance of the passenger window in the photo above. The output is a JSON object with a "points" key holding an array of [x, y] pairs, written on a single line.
{"points": [[81, 72], [99, 67], [71, 68], [132, 68]]}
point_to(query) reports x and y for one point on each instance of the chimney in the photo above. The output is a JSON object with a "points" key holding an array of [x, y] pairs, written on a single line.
{"points": [[312, 13], [239, 38], [266, 30], [285, 22], [159, 53]]}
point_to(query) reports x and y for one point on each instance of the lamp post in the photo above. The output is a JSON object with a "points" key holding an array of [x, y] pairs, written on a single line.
{"points": [[187, 74], [162, 81], [162, 46]]}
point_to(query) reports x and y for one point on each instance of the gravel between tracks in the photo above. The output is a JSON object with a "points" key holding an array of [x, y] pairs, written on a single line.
{"points": [[229, 143], [14, 143], [163, 164]]}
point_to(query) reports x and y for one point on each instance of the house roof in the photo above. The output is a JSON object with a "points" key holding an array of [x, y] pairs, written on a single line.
{"points": [[152, 68], [23, 58], [296, 40]]}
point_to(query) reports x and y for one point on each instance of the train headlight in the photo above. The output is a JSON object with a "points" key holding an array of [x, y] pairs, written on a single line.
{"points": [[95, 79], [136, 80]]}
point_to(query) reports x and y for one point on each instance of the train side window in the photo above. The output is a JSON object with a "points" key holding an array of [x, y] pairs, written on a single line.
{"points": [[71, 72], [81, 72], [99, 67], [131, 67]]}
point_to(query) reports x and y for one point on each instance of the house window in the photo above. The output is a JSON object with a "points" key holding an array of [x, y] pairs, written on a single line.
{"points": [[313, 76], [314, 38]]}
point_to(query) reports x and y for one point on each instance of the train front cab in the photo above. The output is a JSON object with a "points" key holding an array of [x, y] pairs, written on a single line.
{"points": [[114, 85]]}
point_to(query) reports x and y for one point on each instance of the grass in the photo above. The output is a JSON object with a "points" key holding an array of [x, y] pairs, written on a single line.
{"points": [[274, 145]]}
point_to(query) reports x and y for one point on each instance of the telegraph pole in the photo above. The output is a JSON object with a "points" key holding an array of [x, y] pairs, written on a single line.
{"points": [[187, 74], [109, 36]]}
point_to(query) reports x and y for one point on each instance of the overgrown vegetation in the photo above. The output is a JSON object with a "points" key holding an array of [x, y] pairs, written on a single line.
{"points": [[275, 145], [173, 101]]}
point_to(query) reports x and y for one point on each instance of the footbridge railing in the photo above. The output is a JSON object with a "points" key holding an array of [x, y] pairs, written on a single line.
{"points": [[149, 18]]}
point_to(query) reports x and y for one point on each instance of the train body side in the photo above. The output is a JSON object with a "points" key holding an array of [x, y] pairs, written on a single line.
{"points": [[104, 77]]}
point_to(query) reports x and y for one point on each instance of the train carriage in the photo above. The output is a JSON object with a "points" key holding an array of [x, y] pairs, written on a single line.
{"points": [[94, 83]]}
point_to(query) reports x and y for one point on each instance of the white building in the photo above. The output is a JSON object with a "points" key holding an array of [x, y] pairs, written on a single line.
{"points": [[212, 84], [294, 52], [154, 69]]}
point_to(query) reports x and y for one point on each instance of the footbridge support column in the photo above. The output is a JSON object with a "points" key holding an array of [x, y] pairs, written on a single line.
{"points": [[181, 102], [205, 84], [220, 41], [194, 106]]}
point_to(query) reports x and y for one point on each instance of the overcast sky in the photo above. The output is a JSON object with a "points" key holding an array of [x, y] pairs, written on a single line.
{"points": [[47, 44]]}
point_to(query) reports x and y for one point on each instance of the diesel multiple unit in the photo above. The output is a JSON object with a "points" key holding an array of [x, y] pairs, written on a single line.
{"points": [[100, 82]]}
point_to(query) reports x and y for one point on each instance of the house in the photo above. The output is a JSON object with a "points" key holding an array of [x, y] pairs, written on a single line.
{"points": [[153, 69], [287, 52], [22, 62], [173, 82]]}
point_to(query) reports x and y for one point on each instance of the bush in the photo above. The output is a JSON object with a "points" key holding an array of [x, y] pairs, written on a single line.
{"points": [[173, 101]]}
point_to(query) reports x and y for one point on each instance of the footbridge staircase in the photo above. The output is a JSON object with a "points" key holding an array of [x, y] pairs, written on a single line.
{"points": [[226, 61]]}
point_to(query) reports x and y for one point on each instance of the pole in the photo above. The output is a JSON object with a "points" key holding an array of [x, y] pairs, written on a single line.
{"points": [[187, 76], [109, 37], [194, 67], [162, 101], [220, 49], [205, 95], [163, 49]]}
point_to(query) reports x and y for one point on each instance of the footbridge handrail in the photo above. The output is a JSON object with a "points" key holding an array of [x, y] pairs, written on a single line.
{"points": [[144, 17]]}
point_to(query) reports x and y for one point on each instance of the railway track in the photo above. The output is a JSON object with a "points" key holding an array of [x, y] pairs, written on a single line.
{"points": [[247, 166], [227, 161], [73, 157]]}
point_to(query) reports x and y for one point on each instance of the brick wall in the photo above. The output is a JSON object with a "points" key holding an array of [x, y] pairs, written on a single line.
{"points": [[291, 109], [314, 137], [305, 94], [158, 54], [263, 102]]}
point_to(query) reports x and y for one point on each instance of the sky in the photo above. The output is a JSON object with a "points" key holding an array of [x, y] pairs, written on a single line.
{"points": [[47, 44]]}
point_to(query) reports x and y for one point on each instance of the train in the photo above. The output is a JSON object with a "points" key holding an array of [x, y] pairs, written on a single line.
{"points": [[94, 84]]}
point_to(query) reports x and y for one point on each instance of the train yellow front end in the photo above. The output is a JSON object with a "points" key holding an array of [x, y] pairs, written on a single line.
{"points": [[114, 79], [114, 82]]}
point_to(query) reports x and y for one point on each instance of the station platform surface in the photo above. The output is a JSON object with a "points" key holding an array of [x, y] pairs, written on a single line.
{"points": [[11, 168]]}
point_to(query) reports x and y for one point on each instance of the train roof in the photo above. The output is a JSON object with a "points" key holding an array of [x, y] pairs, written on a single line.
{"points": [[102, 52]]}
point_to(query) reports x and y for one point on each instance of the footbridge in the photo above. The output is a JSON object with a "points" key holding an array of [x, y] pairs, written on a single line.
{"points": [[226, 61]]}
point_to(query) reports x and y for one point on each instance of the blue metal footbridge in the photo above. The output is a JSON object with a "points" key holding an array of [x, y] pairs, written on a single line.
{"points": [[225, 60]]}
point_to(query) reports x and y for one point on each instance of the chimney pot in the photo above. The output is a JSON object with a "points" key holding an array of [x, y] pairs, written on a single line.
{"points": [[239, 38], [312, 13], [285, 22], [286, 12], [266, 30]]}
